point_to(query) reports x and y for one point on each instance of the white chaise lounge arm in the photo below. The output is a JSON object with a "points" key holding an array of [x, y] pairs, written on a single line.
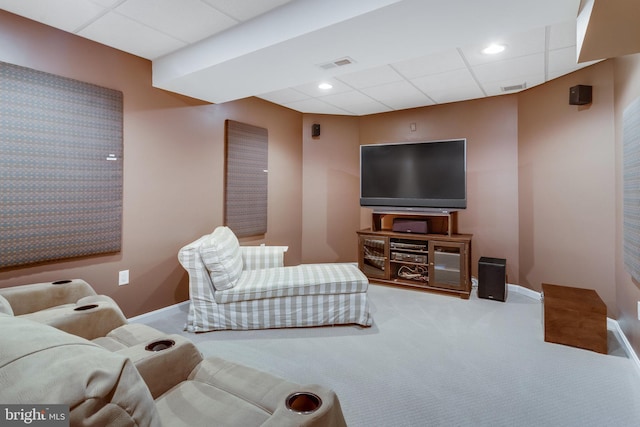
{"points": [[259, 257]]}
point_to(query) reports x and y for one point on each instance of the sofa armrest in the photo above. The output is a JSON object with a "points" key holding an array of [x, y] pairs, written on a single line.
{"points": [[190, 259], [5, 307], [259, 257], [90, 317], [34, 297], [328, 413], [163, 365], [269, 392], [41, 364]]}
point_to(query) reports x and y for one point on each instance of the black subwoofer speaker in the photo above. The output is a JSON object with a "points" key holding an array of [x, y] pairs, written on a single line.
{"points": [[580, 95], [492, 278]]}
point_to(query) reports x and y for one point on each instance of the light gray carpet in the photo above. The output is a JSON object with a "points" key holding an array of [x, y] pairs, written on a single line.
{"points": [[435, 360]]}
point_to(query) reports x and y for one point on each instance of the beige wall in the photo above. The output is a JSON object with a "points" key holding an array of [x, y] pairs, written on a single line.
{"points": [[567, 185], [627, 89], [331, 207], [173, 168], [490, 126]]}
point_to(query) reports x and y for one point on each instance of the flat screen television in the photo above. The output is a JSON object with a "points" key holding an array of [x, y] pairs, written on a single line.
{"points": [[420, 176]]}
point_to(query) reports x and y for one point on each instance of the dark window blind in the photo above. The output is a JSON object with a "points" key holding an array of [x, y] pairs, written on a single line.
{"points": [[631, 188], [60, 167], [246, 179]]}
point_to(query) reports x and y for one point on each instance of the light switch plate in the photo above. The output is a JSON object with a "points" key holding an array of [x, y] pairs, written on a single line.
{"points": [[123, 278]]}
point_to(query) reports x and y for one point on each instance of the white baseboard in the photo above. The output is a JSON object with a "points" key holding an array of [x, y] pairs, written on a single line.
{"points": [[513, 288], [525, 291], [156, 312], [612, 325]]}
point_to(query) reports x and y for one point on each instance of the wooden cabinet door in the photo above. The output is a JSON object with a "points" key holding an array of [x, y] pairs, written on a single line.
{"points": [[447, 265], [373, 259]]}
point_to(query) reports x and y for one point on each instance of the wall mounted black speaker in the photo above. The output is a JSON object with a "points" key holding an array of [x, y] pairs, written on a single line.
{"points": [[492, 278], [580, 95], [315, 130]]}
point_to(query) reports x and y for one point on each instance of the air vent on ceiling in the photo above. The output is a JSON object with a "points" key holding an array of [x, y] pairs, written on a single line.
{"points": [[514, 87], [336, 63]]}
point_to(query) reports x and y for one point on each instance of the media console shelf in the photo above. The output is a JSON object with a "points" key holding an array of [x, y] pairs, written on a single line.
{"points": [[438, 261], [437, 222]]}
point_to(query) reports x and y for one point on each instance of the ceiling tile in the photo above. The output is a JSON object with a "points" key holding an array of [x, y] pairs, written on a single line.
{"points": [[313, 105], [67, 15], [284, 96], [510, 68], [563, 61], [455, 94], [106, 3], [562, 35], [430, 64], [522, 44], [371, 77], [449, 87], [455, 78], [186, 20], [313, 90], [125, 34], [245, 10], [356, 103], [398, 95]]}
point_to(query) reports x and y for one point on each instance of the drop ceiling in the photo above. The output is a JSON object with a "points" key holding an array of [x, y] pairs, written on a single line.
{"points": [[379, 55]]}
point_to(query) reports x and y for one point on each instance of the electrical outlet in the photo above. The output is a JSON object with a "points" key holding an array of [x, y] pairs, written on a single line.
{"points": [[123, 278]]}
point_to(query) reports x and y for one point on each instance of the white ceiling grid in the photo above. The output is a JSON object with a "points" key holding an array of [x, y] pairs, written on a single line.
{"points": [[396, 65]]}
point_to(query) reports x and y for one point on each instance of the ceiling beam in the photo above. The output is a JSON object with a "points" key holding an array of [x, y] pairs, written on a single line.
{"points": [[607, 29]]}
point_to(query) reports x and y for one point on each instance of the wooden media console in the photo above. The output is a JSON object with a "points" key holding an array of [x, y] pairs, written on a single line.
{"points": [[439, 260]]}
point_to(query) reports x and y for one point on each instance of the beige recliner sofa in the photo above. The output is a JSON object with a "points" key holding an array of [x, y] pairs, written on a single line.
{"points": [[70, 305], [40, 364]]}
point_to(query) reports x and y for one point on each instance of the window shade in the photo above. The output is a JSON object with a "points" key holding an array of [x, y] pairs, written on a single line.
{"points": [[246, 179], [631, 187], [60, 167]]}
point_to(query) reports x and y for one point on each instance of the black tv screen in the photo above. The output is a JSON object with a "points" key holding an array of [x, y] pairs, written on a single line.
{"points": [[428, 175]]}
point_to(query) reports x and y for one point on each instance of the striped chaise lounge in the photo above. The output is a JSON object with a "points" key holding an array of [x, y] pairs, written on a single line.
{"points": [[248, 287]]}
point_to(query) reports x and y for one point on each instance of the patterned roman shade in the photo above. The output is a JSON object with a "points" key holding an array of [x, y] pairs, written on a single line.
{"points": [[631, 188], [246, 179], [60, 167]]}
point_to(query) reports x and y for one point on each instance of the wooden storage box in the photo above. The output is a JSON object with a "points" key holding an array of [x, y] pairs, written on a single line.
{"points": [[575, 317]]}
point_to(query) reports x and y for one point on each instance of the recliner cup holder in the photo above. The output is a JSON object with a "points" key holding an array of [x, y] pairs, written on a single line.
{"points": [[60, 282], [303, 402], [85, 307], [160, 345]]}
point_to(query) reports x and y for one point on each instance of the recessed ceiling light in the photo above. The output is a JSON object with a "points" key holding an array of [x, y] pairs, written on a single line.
{"points": [[494, 48], [325, 86]]}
